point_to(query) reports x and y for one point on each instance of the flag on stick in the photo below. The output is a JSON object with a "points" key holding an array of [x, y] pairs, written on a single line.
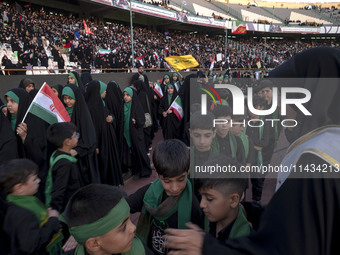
{"points": [[177, 108], [47, 106], [87, 29], [158, 90]]}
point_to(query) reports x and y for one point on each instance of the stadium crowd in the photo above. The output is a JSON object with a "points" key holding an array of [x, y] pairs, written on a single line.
{"points": [[38, 34]]}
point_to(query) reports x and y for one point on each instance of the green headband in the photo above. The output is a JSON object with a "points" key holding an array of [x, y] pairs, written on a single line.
{"points": [[169, 85], [12, 95], [103, 87], [103, 225], [129, 91], [166, 76], [74, 77], [174, 74], [68, 92]]}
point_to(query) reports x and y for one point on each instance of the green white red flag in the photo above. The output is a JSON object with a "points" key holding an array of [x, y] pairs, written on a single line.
{"points": [[47, 106], [177, 108]]}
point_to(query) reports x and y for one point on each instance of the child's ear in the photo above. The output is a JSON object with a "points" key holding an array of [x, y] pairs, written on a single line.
{"points": [[235, 200], [92, 244], [214, 132], [17, 188]]}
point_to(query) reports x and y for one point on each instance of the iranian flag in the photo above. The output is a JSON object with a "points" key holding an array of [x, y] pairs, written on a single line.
{"points": [[158, 90], [177, 108], [239, 27], [47, 106], [103, 51]]}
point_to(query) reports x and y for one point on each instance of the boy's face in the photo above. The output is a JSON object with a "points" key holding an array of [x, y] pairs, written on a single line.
{"points": [[223, 129], [74, 139], [30, 187], [237, 129], [267, 94], [254, 116], [174, 186], [202, 138], [215, 205], [119, 239]]}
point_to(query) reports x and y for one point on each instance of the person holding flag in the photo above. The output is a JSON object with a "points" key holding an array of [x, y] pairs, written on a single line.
{"points": [[171, 122], [30, 132]]}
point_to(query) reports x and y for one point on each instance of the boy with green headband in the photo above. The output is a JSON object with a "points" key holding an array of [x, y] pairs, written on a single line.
{"points": [[168, 202], [98, 217], [32, 228]]}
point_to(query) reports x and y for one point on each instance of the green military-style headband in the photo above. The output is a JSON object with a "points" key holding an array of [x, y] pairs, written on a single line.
{"points": [[103, 225]]}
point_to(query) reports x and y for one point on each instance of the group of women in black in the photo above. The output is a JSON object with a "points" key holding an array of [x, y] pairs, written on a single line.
{"points": [[115, 133]]}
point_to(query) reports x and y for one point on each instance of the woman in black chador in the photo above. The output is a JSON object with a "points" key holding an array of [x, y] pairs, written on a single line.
{"points": [[85, 152], [108, 156], [171, 124], [134, 152]]}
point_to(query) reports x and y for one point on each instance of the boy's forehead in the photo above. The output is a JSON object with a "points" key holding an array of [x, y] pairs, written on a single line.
{"points": [[203, 131], [174, 178]]}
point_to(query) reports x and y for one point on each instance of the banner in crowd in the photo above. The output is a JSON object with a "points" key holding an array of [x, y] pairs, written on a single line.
{"points": [[177, 108], [87, 29], [179, 63], [47, 106], [239, 27]]}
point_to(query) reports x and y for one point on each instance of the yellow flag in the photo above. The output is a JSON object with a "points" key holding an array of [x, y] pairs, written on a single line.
{"points": [[181, 62]]}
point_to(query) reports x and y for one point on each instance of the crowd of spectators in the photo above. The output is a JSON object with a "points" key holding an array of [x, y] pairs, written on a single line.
{"points": [[37, 35]]}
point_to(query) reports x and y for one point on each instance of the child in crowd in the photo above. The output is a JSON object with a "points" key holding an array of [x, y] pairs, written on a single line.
{"points": [[85, 151], [168, 201], [31, 227], [227, 143], [171, 124], [62, 178], [220, 202], [98, 217], [134, 151]]}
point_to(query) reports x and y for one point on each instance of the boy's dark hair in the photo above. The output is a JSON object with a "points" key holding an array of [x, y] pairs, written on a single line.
{"points": [[199, 121], [259, 101], [239, 118], [266, 83], [224, 185], [229, 183], [59, 132], [222, 111], [171, 158], [91, 203], [195, 107], [14, 172]]}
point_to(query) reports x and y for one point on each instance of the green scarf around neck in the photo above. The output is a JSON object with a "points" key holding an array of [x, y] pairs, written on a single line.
{"points": [[34, 205], [153, 201], [127, 113], [103, 88], [49, 179], [13, 121]]}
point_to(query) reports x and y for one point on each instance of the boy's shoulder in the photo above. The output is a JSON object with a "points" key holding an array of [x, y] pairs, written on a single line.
{"points": [[62, 158]]}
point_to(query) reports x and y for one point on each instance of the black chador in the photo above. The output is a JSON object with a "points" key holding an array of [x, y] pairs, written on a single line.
{"points": [[87, 143], [108, 156]]}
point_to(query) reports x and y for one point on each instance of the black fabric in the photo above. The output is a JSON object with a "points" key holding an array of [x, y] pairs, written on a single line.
{"points": [[322, 62], [140, 160], [8, 140], [65, 176], [87, 143], [144, 100], [35, 146], [59, 88], [136, 203], [301, 218], [25, 235], [225, 147], [86, 77], [171, 124], [108, 157], [4, 242]]}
